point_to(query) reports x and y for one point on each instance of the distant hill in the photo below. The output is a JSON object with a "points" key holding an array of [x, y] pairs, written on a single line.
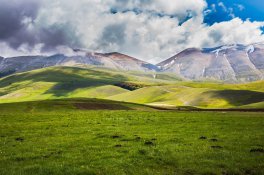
{"points": [[197, 95], [70, 82], [116, 61], [162, 91]]}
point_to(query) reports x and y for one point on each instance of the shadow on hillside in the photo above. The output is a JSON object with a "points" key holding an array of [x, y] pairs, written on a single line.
{"points": [[238, 97], [67, 79]]}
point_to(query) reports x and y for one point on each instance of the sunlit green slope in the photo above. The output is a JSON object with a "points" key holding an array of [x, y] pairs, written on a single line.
{"points": [[69, 82], [204, 96], [59, 82], [164, 90]]}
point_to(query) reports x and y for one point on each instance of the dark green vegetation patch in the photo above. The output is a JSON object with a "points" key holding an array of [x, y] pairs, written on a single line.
{"points": [[130, 86]]}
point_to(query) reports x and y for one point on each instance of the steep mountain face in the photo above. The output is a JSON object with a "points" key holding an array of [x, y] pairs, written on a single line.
{"points": [[124, 62], [110, 60], [228, 63]]}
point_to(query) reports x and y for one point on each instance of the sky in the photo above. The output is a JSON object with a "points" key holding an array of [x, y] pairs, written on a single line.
{"points": [[151, 30]]}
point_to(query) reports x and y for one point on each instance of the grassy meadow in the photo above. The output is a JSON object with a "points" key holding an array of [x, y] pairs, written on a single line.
{"points": [[60, 137]]}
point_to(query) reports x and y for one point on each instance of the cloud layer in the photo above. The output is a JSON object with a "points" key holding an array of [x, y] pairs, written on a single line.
{"points": [[151, 30]]}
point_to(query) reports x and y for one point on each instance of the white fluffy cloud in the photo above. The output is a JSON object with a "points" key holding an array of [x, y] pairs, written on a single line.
{"points": [[151, 30]]}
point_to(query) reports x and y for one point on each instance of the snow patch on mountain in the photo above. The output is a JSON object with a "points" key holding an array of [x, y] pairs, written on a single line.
{"points": [[223, 48], [250, 49]]}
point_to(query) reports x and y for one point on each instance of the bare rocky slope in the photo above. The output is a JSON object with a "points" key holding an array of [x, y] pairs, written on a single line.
{"points": [[227, 63], [114, 60]]}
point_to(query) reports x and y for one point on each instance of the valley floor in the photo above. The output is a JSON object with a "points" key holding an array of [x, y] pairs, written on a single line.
{"points": [[62, 140]]}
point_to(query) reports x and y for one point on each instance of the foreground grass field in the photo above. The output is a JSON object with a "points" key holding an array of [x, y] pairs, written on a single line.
{"points": [[60, 137]]}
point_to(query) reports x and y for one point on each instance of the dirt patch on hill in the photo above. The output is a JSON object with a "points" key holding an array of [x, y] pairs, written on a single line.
{"points": [[100, 106]]}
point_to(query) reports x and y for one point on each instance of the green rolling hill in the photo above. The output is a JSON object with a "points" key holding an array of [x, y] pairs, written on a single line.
{"points": [[71, 82], [70, 105], [57, 82], [164, 91], [203, 97]]}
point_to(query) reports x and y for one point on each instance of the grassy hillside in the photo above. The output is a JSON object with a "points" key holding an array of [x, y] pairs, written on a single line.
{"points": [[253, 86], [90, 82], [71, 104], [205, 96], [62, 82], [59, 137], [55, 82]]}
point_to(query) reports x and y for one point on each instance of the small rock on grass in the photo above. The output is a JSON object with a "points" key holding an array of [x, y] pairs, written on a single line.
{"points": [[216, 147], [115, 136], [213, 140], [138, 138], [203, 138], [149, 143], [118, 146], [20, 139], [142, 152], [259, 150]]}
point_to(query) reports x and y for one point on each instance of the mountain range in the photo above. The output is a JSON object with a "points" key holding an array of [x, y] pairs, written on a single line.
{"points": [[229, 63]]}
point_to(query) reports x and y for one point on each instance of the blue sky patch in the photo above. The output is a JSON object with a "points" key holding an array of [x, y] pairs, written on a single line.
{"points": [[225, 10]]}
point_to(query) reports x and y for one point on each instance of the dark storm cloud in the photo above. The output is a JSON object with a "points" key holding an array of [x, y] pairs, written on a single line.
{"points": [[56, 35], [17, 27], [11, 15], [113, 34]]}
